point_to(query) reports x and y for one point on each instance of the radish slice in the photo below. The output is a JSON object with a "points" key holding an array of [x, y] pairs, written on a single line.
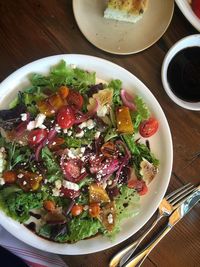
{"points": [[89, 114], [127, 100]]}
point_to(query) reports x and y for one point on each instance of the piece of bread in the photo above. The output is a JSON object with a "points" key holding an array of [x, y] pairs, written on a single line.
{"points": [[126, 10]]}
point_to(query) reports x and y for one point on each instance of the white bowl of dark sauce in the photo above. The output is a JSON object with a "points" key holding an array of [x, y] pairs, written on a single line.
{"points": [[181, 72]]}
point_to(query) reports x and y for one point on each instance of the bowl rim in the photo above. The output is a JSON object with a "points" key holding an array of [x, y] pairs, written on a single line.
{"points": [[178, 46], [32, 239]]}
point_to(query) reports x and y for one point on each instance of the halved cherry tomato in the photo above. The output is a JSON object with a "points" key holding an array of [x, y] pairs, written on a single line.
{"points": [[72, 169], [45, 107], [94, 210], [196, 7], [63, 91], [77, 210], [9, 176], [148, 127], [56, 101], [35, 137], [50, 105], [49, 205], [75, 99], [139, 186], [66, 117], [56, 143]]}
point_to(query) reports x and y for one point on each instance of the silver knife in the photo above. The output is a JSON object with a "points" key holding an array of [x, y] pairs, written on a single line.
{"points": [[176, 216]]}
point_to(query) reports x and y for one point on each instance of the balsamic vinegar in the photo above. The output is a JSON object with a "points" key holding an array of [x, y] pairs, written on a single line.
{"points": [[183, 74]]}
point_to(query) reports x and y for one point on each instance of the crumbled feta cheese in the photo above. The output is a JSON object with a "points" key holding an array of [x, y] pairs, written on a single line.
{"points": [[55, 192], [82, 149], [102, 111], [87, 124], [39, 120], [97, 134], [81, 134], [58, 129], [31, 125], [83, 125], [24, 116], [20, 175], [70, 185], [110, 218], [58, 184], [24, 182], [65, 130], [2, 181], [83, 170], [90, 124], [69, 133], [72, 153]]}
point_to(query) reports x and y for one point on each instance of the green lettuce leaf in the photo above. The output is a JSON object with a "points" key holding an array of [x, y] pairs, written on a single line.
{"points": [[53, 170], [116, 85], [16, 203]]}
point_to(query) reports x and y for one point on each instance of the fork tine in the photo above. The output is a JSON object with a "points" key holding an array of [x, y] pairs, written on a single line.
{"points": [[182, 198], [181, 194], [177, 191]]}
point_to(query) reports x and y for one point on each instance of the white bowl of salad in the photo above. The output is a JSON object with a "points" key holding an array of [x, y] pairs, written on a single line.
{"points": [[85, 154]]}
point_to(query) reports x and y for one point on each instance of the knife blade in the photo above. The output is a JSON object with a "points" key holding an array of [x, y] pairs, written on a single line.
{"points": [[176, 216]]}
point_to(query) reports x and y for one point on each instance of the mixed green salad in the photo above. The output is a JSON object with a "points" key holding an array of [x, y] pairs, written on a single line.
{"points": [[75, 156]]}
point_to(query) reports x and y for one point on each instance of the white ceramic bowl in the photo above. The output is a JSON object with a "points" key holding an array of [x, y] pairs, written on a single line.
{"points": [[161, 145], [189, 41]]}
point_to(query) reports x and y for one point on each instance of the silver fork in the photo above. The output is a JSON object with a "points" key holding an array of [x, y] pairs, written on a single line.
{"points": [[166, 207]]}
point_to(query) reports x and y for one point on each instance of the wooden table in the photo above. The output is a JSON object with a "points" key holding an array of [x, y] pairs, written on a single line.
{"points": [[30, 30]]}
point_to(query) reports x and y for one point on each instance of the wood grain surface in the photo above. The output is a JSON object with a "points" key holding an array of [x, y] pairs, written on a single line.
{"points": [[32, 29]]}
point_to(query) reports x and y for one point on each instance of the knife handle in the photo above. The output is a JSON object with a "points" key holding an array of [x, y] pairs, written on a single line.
{"points": [[141, 256]]}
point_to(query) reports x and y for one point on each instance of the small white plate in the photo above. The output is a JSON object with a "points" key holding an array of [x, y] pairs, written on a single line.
{"points": [[189, 41], [187, 11], [122, 37]]}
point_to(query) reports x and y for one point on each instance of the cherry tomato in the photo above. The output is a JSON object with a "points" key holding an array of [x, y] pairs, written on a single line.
{"points": [[148, 127], [56, 143], [75, 99], [35, 137], [72, 169], [66, 117], [49, 205], [45, 107], [77, 210], [56, 101], [196, 7], [139, 186], [63, 91], [9, 176], [94, 210]]}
